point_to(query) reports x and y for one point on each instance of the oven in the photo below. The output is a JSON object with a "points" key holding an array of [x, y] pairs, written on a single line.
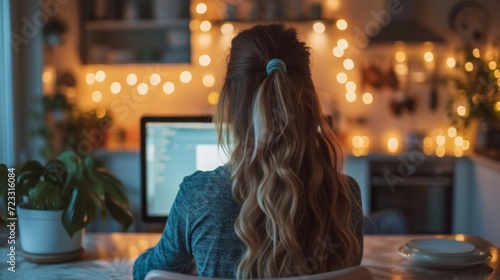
{"points": [[419, 192]]}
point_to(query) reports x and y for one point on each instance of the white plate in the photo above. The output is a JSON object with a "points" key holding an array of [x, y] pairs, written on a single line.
{"points": [[478, 256], [441, 247]]}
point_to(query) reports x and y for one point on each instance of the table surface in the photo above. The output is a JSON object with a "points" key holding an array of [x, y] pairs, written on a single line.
{"points": [[111, 256]]}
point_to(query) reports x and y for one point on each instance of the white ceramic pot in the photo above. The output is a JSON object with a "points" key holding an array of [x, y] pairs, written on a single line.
{"points": [[42, 232]]}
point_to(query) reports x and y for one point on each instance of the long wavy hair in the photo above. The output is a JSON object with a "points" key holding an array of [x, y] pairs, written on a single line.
{"points": [[285, 161]]}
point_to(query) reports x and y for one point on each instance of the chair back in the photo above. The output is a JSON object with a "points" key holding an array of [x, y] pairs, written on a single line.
{"points": [[351, 273]]}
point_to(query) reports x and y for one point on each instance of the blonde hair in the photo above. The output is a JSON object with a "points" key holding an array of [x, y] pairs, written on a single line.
{"points": [[285, 161]]}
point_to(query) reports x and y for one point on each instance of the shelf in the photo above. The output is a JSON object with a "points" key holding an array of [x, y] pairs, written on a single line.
{"points": [[265, 21], [105, 25]]}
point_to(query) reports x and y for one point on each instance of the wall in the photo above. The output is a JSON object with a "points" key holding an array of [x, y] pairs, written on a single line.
{"points": [[192, 98]]}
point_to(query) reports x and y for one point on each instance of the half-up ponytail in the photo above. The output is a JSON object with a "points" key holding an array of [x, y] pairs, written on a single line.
{"points": [[285, 162]]}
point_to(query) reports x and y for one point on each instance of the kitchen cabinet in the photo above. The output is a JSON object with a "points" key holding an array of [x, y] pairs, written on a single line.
{"points": [[121, 36]]}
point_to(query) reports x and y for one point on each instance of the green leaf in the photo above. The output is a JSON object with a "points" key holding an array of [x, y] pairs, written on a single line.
{"points": [[29, 176], [79, 213], [56, 173], [72, 162], [119, 212], [45, 196]]}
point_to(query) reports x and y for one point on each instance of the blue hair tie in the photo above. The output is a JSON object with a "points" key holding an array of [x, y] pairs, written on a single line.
{"points": [[275, 64]]}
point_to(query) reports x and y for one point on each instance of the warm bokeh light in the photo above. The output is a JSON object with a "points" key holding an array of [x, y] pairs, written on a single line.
{"points": [[213, 98], [497, 73], [341, 24], [350, 96], [342, 78], [350, 86], [342, 43], [204, 40], [357, 141], [155, 79], [492, 65], [429, 56], [461, 111], [400, 56], [208, 80], [142, 88], [497, 106], [201, 8], [205, 26], [227, 28], [452, 132], [116, 87], [476, 53], [194, 24], [186, 77], [100, 76], [90, 78], [428, 142], [459, 140], [466, 145], [440, 140], [451, 62], [401, 69], [96, 96], [348, 64], [100, 113], [205, 60], [392, 145], [168, 88], [131, 79], [458, 152], [338, 51], [440, 151], [367, 98], [319, 27], [469, 66]]}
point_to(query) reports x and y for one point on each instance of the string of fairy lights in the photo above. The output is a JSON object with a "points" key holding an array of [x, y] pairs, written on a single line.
{"points": [[202, 30]]}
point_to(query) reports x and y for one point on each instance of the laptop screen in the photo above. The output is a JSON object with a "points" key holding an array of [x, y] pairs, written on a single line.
{"points": [[171, 149]]}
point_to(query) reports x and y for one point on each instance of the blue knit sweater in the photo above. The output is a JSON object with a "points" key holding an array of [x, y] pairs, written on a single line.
{"points": [[200, 228]]}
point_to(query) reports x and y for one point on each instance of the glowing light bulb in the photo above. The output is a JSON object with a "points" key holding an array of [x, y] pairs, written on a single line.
{"points": [[186, 77], [350, 96], [401, 69], [428, 142], [100, 76], [213, 98], [440, 140], [497, 106], [367, 98], [168, 88], [227, 28], [342, 43], [100, 113], [469, 66], [341, 24], [205, 26], [461, 111], [208, 80], [451, 62], [338, 51], [476, 53], [142, 88], [452, 132], [393, 145], [205, 60], [131, 79], [440, 151], [350, 86], [201, 8], [342, 78], [458, 151], [90, 78], [319, 27], [348, 64], [96, 96], [497, 74], [155, 79], [400, 56], [357, 141], [459, 140], [465, 145], [429, 57], [116, 87], [492, 65]]}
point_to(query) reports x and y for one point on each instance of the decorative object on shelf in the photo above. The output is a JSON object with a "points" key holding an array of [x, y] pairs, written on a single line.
{"points": [[59, 200], [53, 31], [476, 76]]}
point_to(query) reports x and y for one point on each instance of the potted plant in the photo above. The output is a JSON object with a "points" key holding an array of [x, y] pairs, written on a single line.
{"points": [[57, 201]]}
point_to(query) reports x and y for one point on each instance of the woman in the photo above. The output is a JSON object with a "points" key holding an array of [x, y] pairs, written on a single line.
{"points": [[281, 206]]}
